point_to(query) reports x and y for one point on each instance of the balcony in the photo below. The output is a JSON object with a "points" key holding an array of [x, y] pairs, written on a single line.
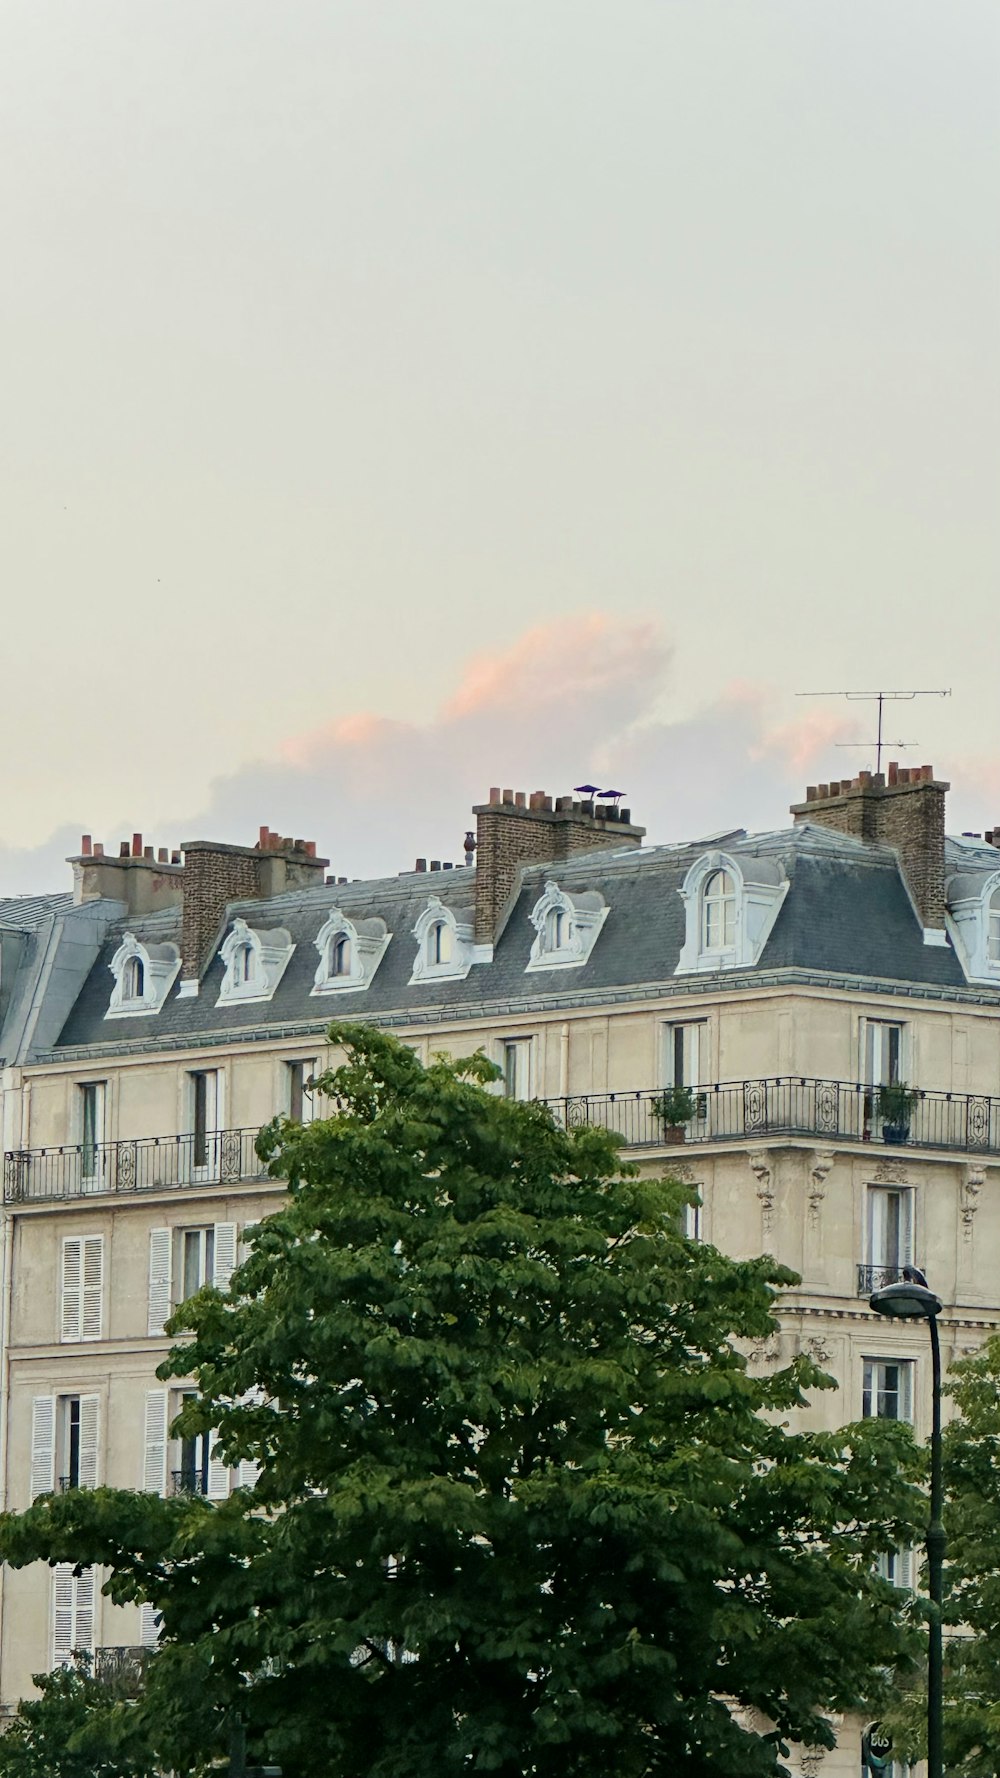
{"points": [[122, 1670], [790, 1105], [188, 1481], [150, 1163], [877, 1277]]}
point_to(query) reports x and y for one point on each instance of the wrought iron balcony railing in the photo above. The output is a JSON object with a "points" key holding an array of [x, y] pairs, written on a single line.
{"points": [[877, 1277], [149, 1163], [188, 1481], [122, 1669], [740, 1110], [792, 1105]]}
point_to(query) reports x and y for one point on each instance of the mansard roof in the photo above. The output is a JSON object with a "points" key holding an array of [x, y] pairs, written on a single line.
{"points": [[847, 916]]}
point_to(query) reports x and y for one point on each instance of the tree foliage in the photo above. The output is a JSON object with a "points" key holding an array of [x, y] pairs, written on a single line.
{"points": [[75, 1729], [522, 1506]]}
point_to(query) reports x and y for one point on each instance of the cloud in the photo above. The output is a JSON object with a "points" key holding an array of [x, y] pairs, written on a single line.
{"points": [[583, 699]]}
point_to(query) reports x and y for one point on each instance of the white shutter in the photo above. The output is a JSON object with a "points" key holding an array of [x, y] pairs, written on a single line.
{"points": [[63, 1598], [225, 1254], [218, 1473], [83, 1611], [90, 1416], [154, 1466], [906, 1228], [245, 1250], [247, 1473], [93, 1287], [149, 1626], [43, 1445], [161, 1252], [72, 1294]]}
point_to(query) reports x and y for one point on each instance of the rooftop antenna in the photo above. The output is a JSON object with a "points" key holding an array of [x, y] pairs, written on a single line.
{"points": [[881, 698]]}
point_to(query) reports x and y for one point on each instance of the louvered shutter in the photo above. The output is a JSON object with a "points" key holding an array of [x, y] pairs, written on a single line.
{"points": [[149, 1626], [83, 1611], [93, 1287], [225, 1254], [90, 1415], [245, 1249], [161, 1251], [906, 1228], [72, 1288], [218, 1473], [154, 1464], [63, 1599], [247, 1473], [43, 1445]]}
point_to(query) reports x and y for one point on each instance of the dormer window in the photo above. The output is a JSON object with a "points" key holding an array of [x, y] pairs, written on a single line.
{"points": [[993, 935], [718, 912], [445, 942], [350, 952], [254, 962], [974, 922], [566, 927], [730, 905], [144, 974]]}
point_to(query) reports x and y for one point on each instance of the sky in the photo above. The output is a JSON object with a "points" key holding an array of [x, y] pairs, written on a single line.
{"points": [[403, 399]]}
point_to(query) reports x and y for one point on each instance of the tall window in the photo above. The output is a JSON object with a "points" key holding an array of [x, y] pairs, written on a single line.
{"points": [[92, 1127], [197, 1259], [204, 1115], [888, 1389], [889, 1231], [555, 929], [340, 955], [883, 1050], [439, 943], [301, 1102], [192, 1476], [133, 979], [684, 1061], [993, 931], [243, 966], [718, 912], [516, 1063]]}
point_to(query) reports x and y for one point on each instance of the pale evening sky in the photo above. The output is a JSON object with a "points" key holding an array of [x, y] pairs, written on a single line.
{"points": [[401, 398]]}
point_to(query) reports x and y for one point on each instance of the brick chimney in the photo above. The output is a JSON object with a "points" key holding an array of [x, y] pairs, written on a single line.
{"points": [[215, 875], [514, 829], [903, 809]]}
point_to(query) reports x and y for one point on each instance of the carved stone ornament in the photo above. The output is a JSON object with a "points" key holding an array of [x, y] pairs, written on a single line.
{"points": [[822, 1163], [974, 1178], [889, 1173], [812, 1760], [817, 1348], [759, 1162], [683, 1172], [765, 1351]]}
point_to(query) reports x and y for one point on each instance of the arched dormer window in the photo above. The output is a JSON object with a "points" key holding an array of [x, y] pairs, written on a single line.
{"points": [[144, 974], [718, 912], [731, 902], [350, 952], [993, 928], [254, 962], [566, 927], [445, 942]]}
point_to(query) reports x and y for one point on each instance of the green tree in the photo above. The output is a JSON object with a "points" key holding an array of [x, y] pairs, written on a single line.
{"points": [[74, 1729], [522, 1507]]}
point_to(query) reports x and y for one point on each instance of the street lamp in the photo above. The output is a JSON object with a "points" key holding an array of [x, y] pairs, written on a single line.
{"points": [[913, 1301]]}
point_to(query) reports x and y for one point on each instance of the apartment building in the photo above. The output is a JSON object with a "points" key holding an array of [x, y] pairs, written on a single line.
{"points": [[155, 1018]]}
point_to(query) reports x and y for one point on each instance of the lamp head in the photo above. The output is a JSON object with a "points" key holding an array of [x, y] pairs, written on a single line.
{"points": [[906, 1302]]}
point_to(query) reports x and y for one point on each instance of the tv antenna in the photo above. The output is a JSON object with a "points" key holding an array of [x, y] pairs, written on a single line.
{"points": [[881, 698]]}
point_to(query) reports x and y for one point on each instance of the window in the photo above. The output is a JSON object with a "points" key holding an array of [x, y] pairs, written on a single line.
{"points": [[554, 926], [242, 965], [691, 1222], [883, 1043], [350, 952], [183, 1260], [253, 962], [301, 1100], [133, 979], [73, 1593], [567, 927], [718, 912], [515, 1059], [684, 1063], [82, 1295], [896, 1566], [92, 1096], [889, 1233], [198, 1470], [64, 1434], [439, 945], [888, 1389], [340, 956], [204, 1117]]}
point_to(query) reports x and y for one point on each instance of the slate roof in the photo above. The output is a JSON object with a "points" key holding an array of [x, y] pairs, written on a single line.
{"points": [[847, 914], [27, 912]]}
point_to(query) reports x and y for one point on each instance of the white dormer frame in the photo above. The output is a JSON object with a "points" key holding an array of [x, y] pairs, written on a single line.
{"points": [[969, 924], [458, 926], [253, 962], [367, 942], [566, 927], [758, 895], [151, 968]]}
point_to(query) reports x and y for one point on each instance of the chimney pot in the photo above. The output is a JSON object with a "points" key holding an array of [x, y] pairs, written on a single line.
{"points": [[626, 816], [98, 848], [893, 772], [265, 834], [435, 864], [137, 845], [421, 864], [823, 793], [447, 867], [123, 849], [175, 858], [864, 779], [341, 879], [547, 804], [520, 800], [495, 796], [147, 851], [508, 796], [310, 848], [161, 856], [536, 799], [86, 845]]}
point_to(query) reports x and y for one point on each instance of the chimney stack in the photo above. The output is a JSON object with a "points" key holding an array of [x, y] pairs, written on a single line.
{"points": [[143, 883], [513, 829], [903, 809], [215, 875]]}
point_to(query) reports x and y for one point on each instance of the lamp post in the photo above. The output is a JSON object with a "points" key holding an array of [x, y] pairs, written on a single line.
{"points": [[913, 1301]]}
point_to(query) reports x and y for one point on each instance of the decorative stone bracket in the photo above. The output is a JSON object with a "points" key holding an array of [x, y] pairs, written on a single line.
{"points": [[973, 1180], [822, 1163], [759, 1160]]}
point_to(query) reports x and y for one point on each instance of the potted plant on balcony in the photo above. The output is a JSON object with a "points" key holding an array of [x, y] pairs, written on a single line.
{"points": [[895, 1103], [675, 1108]]}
